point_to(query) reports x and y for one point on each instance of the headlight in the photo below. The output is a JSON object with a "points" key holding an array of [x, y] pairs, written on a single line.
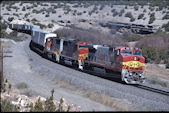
{"points": [[130, 73]]}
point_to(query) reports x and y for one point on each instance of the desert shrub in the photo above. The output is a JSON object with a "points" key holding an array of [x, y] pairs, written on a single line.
{"points": [[34, 19], [10, 19], [23, 9], [152, 18], [150, 54], [50, 25], [26, 15], [133, 37], [34, 11], [166, 27], [7, 106], [53, 11], [101, 7], [15, 14], [6, 14], [144, 10], [8, 8], [39, 24], [121, 12], [129, 15], [115, 13], [3, 26], [151, 8], [132, 19], [79, 13], [136, 7], [140, 16], [47, 15], [21, 85]]}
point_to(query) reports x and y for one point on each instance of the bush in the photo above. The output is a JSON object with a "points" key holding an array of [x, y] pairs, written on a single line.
{"points": [[152, 18], [115, 13], [166, 27], [10, 19], [140, 16], [48, 106], [6, 106], [132, 19], [150, 54], [136, 8], [15, 14], [23, 9], [47, 15], [121, 12], [128, 14], [50, 25], [34, 11]]}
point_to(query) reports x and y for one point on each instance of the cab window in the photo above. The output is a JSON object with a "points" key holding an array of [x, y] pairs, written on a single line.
{"points": [[126, 52], [136, 52]]}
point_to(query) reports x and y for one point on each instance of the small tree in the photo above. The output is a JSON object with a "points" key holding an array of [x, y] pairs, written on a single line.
{"points": [[49, 105], [38, 106], [150, 54]]}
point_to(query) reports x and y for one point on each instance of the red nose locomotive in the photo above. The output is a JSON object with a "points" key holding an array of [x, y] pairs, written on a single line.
{"points": [[129, 62]]}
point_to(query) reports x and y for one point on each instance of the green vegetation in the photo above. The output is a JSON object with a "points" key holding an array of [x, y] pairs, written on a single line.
{"points": [[129, 15], [6, 106], [10, 19], [48, 106], [140, 16], [166, 27], [152, 18], [150, 54], [136, 7], [50, 25]]}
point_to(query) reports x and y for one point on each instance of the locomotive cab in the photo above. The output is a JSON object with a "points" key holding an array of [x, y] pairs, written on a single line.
{"points": [[132, 65]]}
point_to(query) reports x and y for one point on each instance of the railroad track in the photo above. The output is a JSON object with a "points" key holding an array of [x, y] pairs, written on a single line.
{"points": [[138, 86], [153, 90]]}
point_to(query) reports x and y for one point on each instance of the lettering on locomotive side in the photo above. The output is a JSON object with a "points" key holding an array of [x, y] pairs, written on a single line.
{"points": [[133, 64]]}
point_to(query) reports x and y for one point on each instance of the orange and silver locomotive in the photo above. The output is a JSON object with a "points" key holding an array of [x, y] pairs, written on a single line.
{"points": [[123, 61]]}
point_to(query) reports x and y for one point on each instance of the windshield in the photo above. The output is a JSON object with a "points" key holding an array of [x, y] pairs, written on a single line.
{"points": [[136, 52], [82, 46], [127, 52]]}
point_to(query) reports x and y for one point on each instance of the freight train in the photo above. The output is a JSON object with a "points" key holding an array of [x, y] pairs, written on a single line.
{"points": [[128, 63]]}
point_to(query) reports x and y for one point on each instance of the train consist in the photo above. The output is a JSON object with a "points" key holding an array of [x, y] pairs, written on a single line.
{"points": [[128, 63]]}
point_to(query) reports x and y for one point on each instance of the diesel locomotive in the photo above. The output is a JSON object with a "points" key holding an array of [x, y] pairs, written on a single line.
{"points": [[128, 63]]}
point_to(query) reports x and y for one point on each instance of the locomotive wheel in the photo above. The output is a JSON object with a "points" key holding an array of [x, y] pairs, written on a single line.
{"points": [[74, 64], [44, 55], [61, 61]]}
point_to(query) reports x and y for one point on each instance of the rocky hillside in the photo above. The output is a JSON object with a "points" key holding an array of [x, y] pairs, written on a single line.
{"points": [[86, 14]]}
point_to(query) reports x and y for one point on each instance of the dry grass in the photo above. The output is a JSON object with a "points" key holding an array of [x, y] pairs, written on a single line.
{"points": [[21, 85], [156, 80], [102, 98], [115, 103]]}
